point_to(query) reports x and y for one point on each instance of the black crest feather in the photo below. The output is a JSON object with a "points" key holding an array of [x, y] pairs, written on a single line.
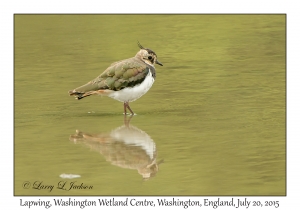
{"points": [[140, 46]]}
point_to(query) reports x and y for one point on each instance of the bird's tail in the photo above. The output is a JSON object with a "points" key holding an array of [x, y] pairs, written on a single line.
{"points": [[80, 95], [91, 88]]}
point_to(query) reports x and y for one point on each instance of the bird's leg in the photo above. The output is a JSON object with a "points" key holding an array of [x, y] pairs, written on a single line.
{"points": [[127, 121], [127, 104], [125, 108]]}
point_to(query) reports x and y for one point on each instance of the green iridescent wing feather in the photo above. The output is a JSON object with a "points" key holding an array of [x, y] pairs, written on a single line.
{"points": [[126, 73]]}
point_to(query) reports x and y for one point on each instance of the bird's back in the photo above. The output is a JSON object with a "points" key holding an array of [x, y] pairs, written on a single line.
{"points": [[121, 74]]}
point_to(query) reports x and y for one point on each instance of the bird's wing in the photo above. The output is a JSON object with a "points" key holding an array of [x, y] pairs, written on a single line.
{"points": [[126, 73]]}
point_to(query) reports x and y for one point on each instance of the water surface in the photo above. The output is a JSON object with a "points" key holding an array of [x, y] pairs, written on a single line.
{"points": [[214, 118]]}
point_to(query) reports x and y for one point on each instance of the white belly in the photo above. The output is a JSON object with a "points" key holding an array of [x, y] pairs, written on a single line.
{"points": [[133, 93], [133, 136]]}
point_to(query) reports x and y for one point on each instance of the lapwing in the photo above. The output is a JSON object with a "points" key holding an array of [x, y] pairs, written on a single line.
{"points": [[125, 80], [127, 147]]}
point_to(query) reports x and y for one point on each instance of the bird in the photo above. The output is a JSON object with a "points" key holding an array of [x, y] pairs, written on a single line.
{"points": [[125, 80], [127, 147]]}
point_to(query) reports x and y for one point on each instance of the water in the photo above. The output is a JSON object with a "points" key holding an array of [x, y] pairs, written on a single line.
{"points": [[213, 123]]}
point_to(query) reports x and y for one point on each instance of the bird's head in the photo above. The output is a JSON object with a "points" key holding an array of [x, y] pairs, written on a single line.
{"points": [[148, 56]]}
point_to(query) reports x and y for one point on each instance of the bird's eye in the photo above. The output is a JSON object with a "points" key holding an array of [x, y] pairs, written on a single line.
{"points": [[149, 57]]}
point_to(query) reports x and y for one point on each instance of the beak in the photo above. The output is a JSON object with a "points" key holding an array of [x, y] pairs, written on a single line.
{"points": [[159, 63]]}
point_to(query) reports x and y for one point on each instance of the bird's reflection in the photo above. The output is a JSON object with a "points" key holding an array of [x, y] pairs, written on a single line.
{"points": [[126, 147]]}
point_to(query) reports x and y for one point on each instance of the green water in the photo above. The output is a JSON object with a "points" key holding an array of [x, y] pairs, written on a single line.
{"points": [[216, 112]]}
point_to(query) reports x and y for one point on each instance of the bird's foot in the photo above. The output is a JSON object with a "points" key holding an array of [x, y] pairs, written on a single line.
{"points": [[127, 114]]}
